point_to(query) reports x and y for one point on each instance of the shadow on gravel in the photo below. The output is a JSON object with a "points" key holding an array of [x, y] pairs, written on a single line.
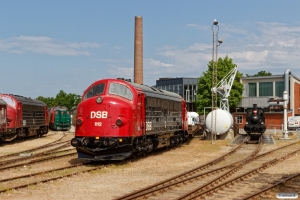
{"points": [[133, 158]]}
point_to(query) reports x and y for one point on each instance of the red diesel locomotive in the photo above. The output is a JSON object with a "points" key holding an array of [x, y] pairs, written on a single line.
{"points": [[117, 118], [3, 120], [25, 117]]}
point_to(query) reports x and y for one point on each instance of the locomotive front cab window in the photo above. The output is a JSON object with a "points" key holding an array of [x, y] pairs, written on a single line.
{"points": [[120, 90], [94, 91], [9, 101]]}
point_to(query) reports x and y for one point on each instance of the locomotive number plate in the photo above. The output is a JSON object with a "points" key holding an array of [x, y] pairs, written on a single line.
{"points": [[98, 123], [98, 114]]}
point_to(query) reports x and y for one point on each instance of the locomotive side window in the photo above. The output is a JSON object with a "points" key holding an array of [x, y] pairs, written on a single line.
{"points": [[120, 90], [95, 90]]}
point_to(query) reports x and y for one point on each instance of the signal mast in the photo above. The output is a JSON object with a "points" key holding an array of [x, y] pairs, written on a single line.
{"points": [[214, 95]]}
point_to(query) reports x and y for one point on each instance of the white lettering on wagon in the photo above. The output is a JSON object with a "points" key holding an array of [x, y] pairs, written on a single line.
{"points": [[98, 114]]}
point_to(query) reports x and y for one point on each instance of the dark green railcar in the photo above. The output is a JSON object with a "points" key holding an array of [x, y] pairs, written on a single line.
{"points": [[60, 118]]}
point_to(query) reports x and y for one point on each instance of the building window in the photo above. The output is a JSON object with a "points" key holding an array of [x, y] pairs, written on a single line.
{"points": [[265, 89], [239, 119], [279, 88], [252, 89]]}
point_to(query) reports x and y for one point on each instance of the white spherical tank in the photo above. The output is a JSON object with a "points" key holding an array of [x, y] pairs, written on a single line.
{"points": [[224, 121]]}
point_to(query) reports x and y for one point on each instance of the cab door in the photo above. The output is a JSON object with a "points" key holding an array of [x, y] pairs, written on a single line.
{"points": [[19, 118], [3, 123], [140, 115]]}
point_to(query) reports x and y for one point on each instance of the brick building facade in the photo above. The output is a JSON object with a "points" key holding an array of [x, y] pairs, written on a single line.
{"points": [[267, 92]]}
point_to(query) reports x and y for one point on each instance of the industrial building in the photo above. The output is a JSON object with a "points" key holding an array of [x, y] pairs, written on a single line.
{"points": [[265, 91], [185, 87]]}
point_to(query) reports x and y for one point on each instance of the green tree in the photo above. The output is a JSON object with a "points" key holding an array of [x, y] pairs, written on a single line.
{"points": [[260, 73], [224, 66], [50, 101], [62, 99]]}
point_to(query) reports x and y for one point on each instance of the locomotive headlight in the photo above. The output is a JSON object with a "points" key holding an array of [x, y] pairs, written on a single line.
{"points": [[99, 100], [262, 123], [79, 121], [120, 121]]}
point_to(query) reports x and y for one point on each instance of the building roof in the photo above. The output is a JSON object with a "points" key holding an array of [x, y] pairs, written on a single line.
{"points": [[268, 77]]}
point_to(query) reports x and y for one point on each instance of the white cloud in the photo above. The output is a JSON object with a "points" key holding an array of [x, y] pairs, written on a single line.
{"points": [[121, 72], [254, 47], [158, 64], [45, 45]]}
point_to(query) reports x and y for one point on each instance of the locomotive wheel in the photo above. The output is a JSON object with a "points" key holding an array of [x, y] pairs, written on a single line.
{"points": [[149, 146]]}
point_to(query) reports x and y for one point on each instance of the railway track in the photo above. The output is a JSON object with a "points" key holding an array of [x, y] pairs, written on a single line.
{"points": [[217, 165], [249, 170], [44, 176], [42, 153], [194, 185], [13, 182], [32, 150], [35, 160], [19, 172], [30, 156], [286, 183]]}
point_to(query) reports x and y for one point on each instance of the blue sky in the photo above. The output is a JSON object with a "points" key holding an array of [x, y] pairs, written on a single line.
{"points": [[47, 46]]}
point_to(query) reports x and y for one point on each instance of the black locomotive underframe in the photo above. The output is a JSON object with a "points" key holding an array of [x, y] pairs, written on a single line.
{"points": [[24, 132], [93, 149]]}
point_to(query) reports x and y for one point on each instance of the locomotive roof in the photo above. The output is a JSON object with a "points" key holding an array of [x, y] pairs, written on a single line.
{"points": [[158, 93], [60, 107], [26, 100]]}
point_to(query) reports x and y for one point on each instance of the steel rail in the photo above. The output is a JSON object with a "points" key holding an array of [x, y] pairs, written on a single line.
{"points": [[240, 177], [6, 162], [175, 179], [33, 149], [227, 174], [36, 161], [272, 186], [50, 179]]}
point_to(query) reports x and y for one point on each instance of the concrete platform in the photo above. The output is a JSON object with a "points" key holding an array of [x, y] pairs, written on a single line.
{"points": [[238, 139], [267, 139]]}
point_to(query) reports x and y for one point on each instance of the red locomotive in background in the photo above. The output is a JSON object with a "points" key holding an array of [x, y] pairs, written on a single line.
{"points": [[25, 117], [3, 120], [117, 118]]}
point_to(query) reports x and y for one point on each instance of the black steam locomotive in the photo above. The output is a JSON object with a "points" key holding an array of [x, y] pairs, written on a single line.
{"points": [[255, 122]]}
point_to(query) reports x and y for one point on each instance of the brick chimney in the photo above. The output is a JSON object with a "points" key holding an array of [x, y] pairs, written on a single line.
{"points": [[138, 50]]}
